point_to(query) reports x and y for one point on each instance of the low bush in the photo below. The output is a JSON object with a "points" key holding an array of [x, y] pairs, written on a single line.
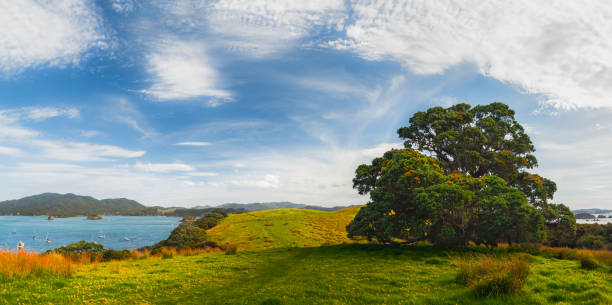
{"points": [[231, 249], [117, 255], [185, 235], [490, 275], [587, 262]]}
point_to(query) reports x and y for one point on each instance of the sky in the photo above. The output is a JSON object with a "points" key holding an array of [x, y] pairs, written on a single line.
{"points": [[186, 103]]}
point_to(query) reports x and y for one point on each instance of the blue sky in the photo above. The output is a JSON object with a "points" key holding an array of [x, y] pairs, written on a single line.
{"points": [[207, 102]]}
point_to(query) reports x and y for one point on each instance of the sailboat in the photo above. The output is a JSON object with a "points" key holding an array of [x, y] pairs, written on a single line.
{"points": [[47, 238], [101, 235]]}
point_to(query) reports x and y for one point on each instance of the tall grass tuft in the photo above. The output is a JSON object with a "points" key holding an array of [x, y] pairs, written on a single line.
{"points": [[22, 264], [231, 249], [493, 275]]}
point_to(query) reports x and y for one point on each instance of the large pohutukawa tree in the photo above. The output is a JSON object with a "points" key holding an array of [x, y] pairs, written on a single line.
{"points": [[481, 190]]}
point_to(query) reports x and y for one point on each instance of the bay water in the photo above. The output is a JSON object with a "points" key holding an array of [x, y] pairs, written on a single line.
{"points": [[111, 231]]}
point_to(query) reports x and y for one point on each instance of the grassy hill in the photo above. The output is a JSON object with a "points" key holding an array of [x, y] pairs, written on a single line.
{"points": [[284, 228]]}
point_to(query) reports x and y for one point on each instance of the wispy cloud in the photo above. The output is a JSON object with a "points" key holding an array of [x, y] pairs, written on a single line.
{"points": [[560, 50], [39, 113], [53, 33], [193, 143], [164, 167], [125, 112], [181, 70], [80, 151]]}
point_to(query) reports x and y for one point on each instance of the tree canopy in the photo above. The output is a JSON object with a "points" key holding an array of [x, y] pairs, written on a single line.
{"points": [[461, 177], [478, 141]]}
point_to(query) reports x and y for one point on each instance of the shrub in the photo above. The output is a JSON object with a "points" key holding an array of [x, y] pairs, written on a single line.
{"points": [[208, 244], [185, 235], [110, 255], [231, 249], [209, 220], [493, 275], [81, 247], [590, 241], [587, 262]]}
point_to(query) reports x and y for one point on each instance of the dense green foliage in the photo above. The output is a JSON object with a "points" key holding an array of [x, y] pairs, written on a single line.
{"points": [[67, 205], [210, 219], [413, 199], [94, 250], [471, 186], [340, 274], [185, 234], [594, 236], [192, 232], [81, 247], [479, 141]]}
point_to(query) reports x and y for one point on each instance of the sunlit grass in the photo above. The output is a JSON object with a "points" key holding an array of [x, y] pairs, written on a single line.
{"points": [[338, 274], [22, 264], [284, 228]]}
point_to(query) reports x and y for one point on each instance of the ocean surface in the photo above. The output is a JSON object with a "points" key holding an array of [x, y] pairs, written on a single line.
{"points": [[141, 230]]}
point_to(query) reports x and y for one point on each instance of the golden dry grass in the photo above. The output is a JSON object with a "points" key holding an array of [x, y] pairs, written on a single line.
{"points": [[21, 264]]}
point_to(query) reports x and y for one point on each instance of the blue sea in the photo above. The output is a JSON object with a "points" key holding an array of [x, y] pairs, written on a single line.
{"points": [[141, 230]]}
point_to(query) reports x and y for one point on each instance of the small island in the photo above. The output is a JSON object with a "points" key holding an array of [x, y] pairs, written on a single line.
{"points": [[93, 217]]}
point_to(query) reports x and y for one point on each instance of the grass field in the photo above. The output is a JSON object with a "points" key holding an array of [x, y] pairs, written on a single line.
{"points": [[338, 274], [284, 228], [299, 257]]}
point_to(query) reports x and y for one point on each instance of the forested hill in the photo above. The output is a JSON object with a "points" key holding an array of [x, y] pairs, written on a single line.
{"points": [[65, 205]]}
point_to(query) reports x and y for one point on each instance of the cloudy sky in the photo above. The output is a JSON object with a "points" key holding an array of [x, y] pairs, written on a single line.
{"points": [[206, 102]]}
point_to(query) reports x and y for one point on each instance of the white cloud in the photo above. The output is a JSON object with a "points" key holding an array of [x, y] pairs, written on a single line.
{"points": [[122, 6], [193, 143], [127, 113], [262, 27], [202, 174], [38, 113], [182, 70], [10, 151], [163, 167], [53, 33], [79, 151], [43, 113], [91, 133], [559, 49], [316, 176]]}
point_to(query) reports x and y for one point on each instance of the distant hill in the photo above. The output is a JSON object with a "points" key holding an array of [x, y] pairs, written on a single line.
{"points": [[260, 206], [66, 205], [592, 211]]}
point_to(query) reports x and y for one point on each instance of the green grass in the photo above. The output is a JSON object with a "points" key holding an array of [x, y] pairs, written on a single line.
{"points": [[290, 256], [284, 228], [338, 274]]}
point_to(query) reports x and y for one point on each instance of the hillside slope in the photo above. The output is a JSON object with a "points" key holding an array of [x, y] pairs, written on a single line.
{"points": [[284, 228]]}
